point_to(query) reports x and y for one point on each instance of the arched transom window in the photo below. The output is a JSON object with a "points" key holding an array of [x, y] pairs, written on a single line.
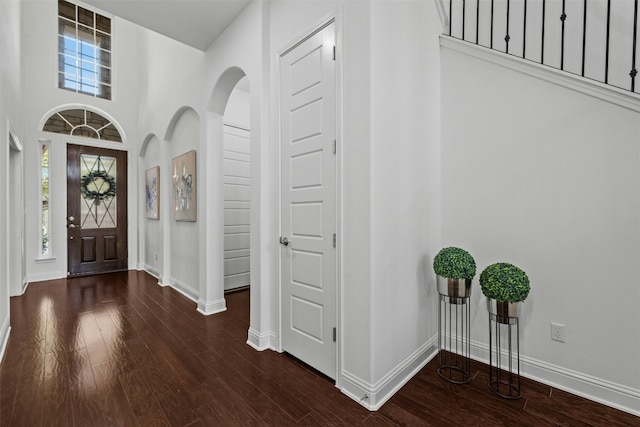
{"points": [[82, 122]]}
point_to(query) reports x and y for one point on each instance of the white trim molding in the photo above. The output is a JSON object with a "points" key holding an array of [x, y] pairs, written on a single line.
{"points": [[50, 275], [184, 289], [212, 307], [150, 270], [261, 340], [607, 93], [373, 396], [164, 280], [605, 392], [5, 330]]}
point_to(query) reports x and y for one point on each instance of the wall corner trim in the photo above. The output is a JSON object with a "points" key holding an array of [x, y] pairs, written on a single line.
{"points": [[212, 307], [261, 340], [373, 396]]}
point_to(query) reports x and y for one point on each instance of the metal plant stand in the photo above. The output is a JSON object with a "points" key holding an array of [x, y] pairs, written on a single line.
{"points": [[504, 351], [454, 324]]}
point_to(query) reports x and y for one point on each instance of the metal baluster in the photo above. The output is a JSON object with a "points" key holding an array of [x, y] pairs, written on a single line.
{"points": [[634, 72], [584, 36]]}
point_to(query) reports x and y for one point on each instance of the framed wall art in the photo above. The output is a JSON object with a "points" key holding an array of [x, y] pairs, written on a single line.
{"points": [[152, 192], [184, 187]]}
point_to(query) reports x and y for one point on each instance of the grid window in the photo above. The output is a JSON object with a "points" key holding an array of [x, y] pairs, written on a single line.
{"points": [[84, 50], [45, 216]]}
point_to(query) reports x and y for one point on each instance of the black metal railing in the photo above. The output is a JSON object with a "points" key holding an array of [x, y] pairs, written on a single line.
{"points": [[596, 39]]}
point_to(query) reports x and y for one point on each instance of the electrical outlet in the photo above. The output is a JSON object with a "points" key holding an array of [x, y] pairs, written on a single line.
{"points": [[557, 332]]}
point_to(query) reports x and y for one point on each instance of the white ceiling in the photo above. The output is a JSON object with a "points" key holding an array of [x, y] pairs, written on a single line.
{"points": [[196, 23]]}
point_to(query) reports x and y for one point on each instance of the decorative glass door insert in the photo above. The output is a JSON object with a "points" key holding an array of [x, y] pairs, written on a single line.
{"points": [[99, 201]]}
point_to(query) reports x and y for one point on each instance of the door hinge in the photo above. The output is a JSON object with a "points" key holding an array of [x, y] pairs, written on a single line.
{"points": [[334, 334], [334, 240], [335, 148], [334, 53]]}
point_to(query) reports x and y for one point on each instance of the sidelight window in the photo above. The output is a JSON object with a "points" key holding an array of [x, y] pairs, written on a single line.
{"points": [[45, 212]]}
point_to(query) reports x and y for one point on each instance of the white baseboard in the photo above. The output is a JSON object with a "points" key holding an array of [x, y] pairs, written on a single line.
{"points": [[373, 396], [184, 289], [152, 271], [22, 290], [41, 277], [212, 307], [261, 341], [5, 330], [605, 392]]}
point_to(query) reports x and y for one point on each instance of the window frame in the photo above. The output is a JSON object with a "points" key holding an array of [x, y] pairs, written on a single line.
{"points": [[102, 84], [48, 253]]}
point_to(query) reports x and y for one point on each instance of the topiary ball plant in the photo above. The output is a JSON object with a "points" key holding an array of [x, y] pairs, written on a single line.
{"points": [[454, 263], [504, 282]]}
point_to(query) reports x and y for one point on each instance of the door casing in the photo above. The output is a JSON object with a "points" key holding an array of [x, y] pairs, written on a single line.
{"points": [[88, 250], [335, 20]]}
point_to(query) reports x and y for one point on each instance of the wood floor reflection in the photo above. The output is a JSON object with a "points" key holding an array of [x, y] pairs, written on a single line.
{"points": [[118, 350]]}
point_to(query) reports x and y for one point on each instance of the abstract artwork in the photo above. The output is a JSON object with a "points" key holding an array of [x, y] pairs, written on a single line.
{"points": [[152, 191], [184, 187]]}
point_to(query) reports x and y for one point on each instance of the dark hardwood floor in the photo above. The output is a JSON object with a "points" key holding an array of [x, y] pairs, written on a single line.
{"points": [[118, 350]]}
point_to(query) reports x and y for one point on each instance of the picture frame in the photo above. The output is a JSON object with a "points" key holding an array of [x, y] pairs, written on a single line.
{"points": [[152, 192], [184, 184]]}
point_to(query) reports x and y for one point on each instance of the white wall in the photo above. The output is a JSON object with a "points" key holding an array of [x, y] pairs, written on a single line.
{"points": [[10, 115], [15, 205], [405, 184], [169, 77], [185, 235], [151, 237], [547, 178], [175, 78], [238, 109], [389, 194], [239, 52], [39, 79]]}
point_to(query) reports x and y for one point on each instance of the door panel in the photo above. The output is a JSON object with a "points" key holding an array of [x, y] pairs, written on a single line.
{"points": [[308, 197], [96, 210]]}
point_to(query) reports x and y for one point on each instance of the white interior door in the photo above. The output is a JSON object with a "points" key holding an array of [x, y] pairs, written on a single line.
{"points": [[308, 196]]}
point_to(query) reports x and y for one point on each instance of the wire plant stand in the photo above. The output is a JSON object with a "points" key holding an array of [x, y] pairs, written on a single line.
{"points": [[504, 353], [454, 325]]}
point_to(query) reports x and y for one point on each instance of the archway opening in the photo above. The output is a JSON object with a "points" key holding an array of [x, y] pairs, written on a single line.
{"points": [[237, 188], [233, 150]]}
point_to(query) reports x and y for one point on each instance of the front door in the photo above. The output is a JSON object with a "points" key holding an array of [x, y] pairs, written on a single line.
{"points": [[308, 197], [96, 210]]}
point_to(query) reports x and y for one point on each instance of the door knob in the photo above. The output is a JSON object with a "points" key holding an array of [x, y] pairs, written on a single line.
{"points": [[71, 218], [72, 226], [284, 241]]}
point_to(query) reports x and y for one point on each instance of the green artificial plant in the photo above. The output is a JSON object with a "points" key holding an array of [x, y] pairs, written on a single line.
{"points": [[454, 263], [504, 282]]}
